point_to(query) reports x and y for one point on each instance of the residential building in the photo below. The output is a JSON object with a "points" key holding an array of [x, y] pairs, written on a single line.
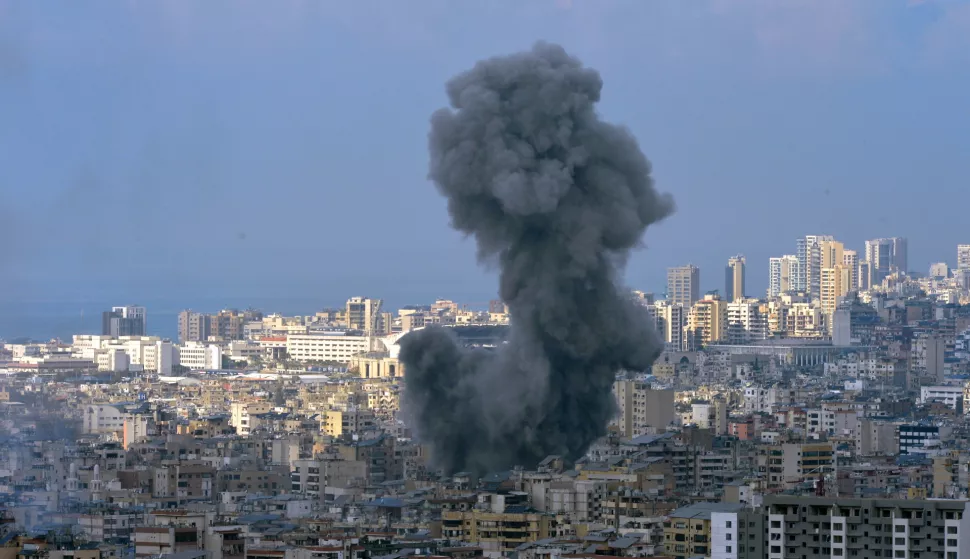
{"points": [[850, 259], [825, 527], [642, 409], [747, 321], [194, 327], [671, 323], [886, 256], [963, 257], [809, 253], [784, 273], [734, 278], [707, 321], [124, 321], [683, 285], [365, 314], [687, 530]]}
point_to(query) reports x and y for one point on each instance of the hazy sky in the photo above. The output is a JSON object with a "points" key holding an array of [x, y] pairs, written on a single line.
{"points": [[176, 149]]}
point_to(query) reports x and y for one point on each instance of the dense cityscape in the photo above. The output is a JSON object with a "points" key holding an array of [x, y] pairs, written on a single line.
{"points": [[802, 423]]}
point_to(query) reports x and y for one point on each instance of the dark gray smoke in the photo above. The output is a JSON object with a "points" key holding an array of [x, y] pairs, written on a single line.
{"points": [[559, 198]]}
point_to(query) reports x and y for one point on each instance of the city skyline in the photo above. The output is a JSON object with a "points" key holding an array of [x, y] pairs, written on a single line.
{"points": [[137, 147]]}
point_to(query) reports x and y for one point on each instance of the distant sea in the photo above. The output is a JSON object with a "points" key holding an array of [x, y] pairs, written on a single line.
{"points": [[45, 320]]}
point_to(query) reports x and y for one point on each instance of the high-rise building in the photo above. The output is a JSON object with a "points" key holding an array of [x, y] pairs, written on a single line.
{"points": [[963, 257], [850, 259], [783, 274], [364, 314], [886, 256], [123, 321], [835, 282], [671, 323], [683, 285], [194, 326], [809, 252], [707, 321], [747, 321], [228, 325], [734, 278]]}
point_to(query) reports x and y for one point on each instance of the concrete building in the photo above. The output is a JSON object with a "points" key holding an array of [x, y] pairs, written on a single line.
{"points": [[734, 279], [103, 418], [339, 423], [124, 321], [963, 257], [809, 253], [784, 273], [338, 347], [193, 327], [746, 321], [688, 530], [197, 356], [737, 534], [642, 410], [366, 315], [671, 323], [850, 259], [939, 270], [834, 285], [817, 527], [683, 285], [886, 256], [789, 464], [707, 321], [951, 396]]}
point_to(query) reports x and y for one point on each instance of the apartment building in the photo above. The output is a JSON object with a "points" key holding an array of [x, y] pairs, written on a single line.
{"points": [[817, 527], [788, 464], [687, 530], [683, 285], [642, 410]]}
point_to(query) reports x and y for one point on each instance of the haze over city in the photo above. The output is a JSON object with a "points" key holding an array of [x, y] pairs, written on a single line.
{"points": [[201, 154]]}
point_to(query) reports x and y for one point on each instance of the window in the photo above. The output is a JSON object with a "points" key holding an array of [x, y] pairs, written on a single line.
{"points": [[900, 528], [776, 549], [951, 543], [837, 526], [727, 549], [901, 553], [900, 541], [837, 551], [727, 524], [727, 537], [837, 539], [951, 529]]}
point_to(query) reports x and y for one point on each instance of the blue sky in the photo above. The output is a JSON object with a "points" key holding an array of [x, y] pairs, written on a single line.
{"points": [[180, 150]]}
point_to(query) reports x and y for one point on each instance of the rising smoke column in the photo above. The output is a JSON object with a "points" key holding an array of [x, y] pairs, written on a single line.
{"points": [[558, 198]]}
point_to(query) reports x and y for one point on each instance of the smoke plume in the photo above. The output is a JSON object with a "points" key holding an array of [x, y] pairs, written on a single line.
{"points": [[558, 198]]}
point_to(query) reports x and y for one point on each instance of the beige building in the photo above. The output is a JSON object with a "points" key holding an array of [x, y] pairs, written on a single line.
{"points": [[642, 410], [707, 322], [339, 423], [377, 365], [734, 279]]}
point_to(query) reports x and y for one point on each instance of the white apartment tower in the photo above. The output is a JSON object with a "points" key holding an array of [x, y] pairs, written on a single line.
{"points": [[783, 274], [809, 253], [963, 257]]}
